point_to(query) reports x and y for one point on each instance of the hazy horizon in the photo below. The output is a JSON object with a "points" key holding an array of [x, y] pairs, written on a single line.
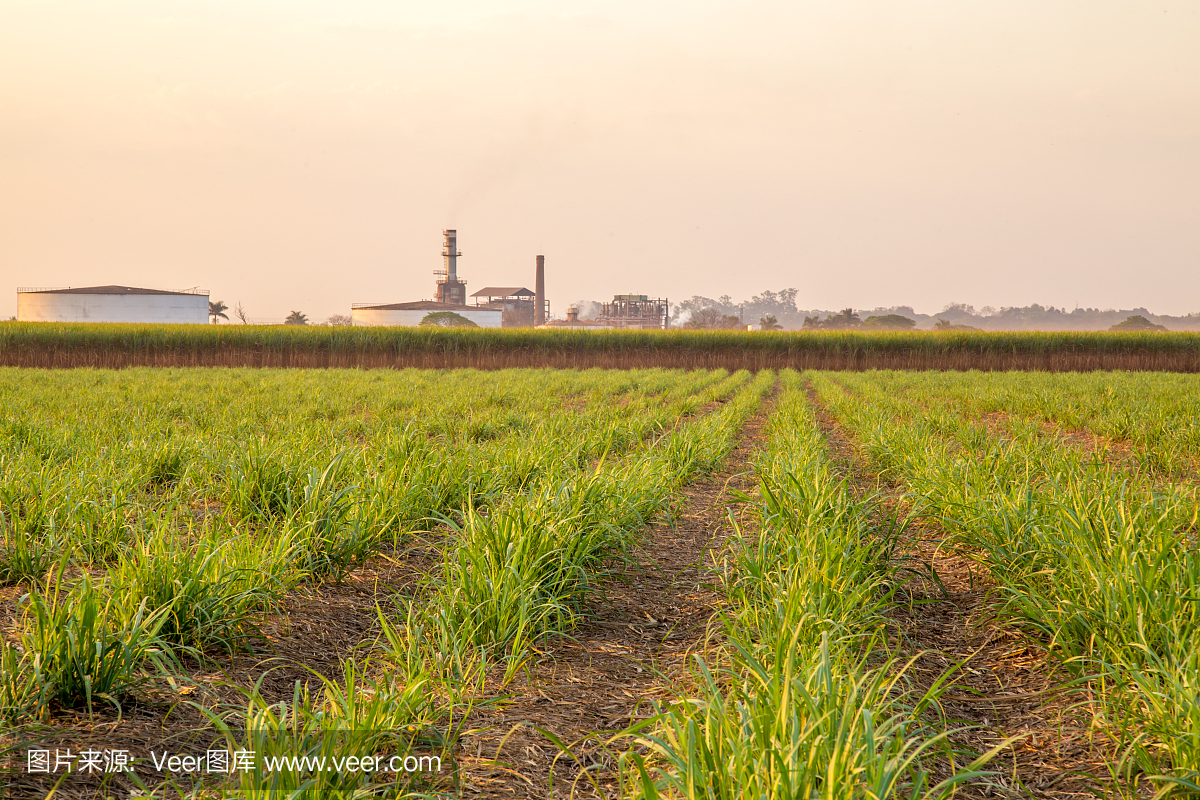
{"points": [[307, 155]]}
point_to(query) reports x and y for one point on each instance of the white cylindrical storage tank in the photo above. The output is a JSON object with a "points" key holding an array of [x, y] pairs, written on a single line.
{"points": [[411, 314], [112, 304]]}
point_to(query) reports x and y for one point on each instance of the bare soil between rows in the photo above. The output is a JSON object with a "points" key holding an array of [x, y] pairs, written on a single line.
{"points": [[316, 630], [1006, 686], [633, 648]]}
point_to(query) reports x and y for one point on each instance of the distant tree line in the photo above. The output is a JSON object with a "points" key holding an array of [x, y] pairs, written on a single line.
{"points": [[711, 319], [782, 308], [1036, 317], [778, 311]]}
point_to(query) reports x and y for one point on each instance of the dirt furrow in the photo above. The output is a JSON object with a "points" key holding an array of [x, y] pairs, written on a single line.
{"points": [[1007, 685], [315, 631], [633, 648]]}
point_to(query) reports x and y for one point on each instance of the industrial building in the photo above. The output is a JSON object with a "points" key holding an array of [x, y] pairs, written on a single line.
{"points": [[112, 304], [573, 322], [495, 306], [411, 314], [521, 308], [625, 312], [450, 290], [635, 312], [515, 303]]}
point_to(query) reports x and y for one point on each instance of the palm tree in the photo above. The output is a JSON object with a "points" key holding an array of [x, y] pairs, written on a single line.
{"points": [[847, 317], [296, 318], [769, 323], [217, 311]]}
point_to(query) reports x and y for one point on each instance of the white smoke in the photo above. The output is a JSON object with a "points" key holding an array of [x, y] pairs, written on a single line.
{"points": [[588, 309]]}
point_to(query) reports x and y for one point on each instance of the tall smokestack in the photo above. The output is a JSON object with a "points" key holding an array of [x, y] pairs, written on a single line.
{"points": [[450, 251], [539, 292], [450, 289]]}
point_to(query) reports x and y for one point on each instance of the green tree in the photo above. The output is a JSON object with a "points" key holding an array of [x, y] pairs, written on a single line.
{"points": [[296, 318], [710, 319], [846, 318], [889, 322], [216, 310], [446, 319], [947, 325], [769, 323], [1137, 323]]}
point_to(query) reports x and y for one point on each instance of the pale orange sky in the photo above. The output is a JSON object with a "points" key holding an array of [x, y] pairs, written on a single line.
{"points": [[306, 155]]}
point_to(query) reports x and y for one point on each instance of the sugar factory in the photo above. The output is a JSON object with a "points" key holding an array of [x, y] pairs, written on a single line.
{"points": [[501, 306], [509, 306], [493, 307]]}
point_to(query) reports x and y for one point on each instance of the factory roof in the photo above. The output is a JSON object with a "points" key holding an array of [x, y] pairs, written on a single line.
{"points": [[419, 305], [104, 290], [503, 291]]}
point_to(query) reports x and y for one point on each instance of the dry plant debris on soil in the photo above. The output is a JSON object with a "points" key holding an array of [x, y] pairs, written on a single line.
{"points": [[632, 649], [318, 628], [1005, 686], [599, 678]]}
